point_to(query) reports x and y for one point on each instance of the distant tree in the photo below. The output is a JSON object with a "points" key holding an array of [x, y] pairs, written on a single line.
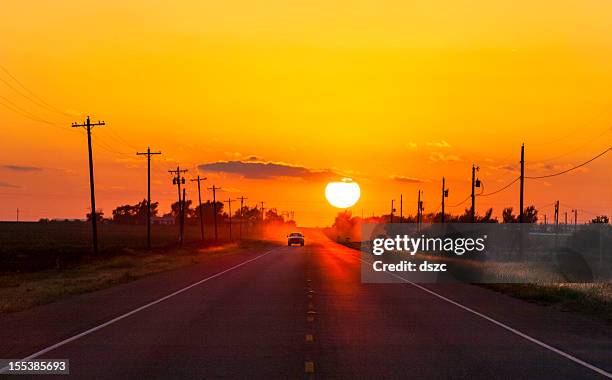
{"points": [[251, 215], [507, 216], [174, 210], [603, 219], [134, 214], [193, 215], [272, 217], [99, 216], [530, 215], [487, 217]]}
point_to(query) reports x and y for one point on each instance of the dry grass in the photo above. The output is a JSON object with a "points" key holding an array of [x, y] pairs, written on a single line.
{"points": [[591, 299], [20, 291]]}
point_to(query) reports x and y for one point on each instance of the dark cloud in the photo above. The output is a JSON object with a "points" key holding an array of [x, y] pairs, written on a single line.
{"points": [[6, 184], [263, 170], [402, 178], [21, 168]]}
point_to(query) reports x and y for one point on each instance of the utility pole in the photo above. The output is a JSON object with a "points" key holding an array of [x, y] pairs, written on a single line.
{"points": [[200, 179], [183, 204], [444, 195], [575, 211], [401, 208], [522, 183], [545, 221], [262, 211], [556, 213], [392, 209], [88, 125], [241, 214], [178, 181], [214, 190], [475, 183], [148, 153], [418, 218], [566, 218], [17, 214], [229, 206]]}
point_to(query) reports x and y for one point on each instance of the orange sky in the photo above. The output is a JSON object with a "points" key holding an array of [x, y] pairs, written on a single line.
{"points": [[374, 90]]}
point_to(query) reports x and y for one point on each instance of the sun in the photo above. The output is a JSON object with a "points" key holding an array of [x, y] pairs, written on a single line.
{"points": [[342, 194]]}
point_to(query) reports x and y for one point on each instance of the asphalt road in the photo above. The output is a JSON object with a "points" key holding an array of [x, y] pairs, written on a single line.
{"points": [[302, 312]]}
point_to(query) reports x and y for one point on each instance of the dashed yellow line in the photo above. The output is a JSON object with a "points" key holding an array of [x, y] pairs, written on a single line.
{"points": [[309, 367]]}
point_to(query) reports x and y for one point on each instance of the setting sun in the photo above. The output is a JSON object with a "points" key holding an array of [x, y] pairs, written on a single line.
{"points": [[342, 194]]}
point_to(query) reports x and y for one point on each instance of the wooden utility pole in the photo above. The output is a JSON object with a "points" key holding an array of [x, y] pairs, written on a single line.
{"points": [[401, 208], [178, 181], [229, 206], [418, 215], [241, 215], [522, 183], [88, 125], [214, 190], [263, 215], [392, 209], [148, 153], [556, 213], [199, 179], [444, 195], [475, 183]]}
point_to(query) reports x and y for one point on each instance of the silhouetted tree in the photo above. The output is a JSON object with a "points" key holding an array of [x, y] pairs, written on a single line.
{"points": [[601, 219], [134, 214], [530, 215]]}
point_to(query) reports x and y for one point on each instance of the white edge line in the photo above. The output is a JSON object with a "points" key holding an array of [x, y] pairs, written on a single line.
{"points": [[504, 326], [129, 313]]}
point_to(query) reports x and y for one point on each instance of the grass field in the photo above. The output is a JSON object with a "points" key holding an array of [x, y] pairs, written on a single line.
{"points": [[20, 291], [39, 246]]}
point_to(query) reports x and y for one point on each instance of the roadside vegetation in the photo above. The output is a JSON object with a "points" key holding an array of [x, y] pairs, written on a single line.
{"points": [[528, 280], [23, 290]]}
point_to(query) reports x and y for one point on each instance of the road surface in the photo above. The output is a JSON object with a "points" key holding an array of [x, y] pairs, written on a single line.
{"points": [[302, 312]]}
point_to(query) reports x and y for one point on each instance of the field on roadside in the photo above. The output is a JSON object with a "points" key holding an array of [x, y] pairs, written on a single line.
{"points": [[20, 291], [533, 283], [28, 247]]}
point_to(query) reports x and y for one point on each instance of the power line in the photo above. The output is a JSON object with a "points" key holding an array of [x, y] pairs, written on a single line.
{"points": [[499, 190], [570, 169], [460, 203], [577, 148], [37, 99]]}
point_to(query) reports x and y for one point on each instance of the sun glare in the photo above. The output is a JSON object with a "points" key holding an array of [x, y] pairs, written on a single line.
{"points": [[342, 194]]}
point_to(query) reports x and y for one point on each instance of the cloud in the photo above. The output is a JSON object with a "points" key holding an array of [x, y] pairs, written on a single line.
{"points": [[20, 168], [441, 157], [402, 178], [253, 168], [10, 185], [439, 144]]}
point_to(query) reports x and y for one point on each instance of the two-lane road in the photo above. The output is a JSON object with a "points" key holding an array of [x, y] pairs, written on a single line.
{"points": [[294, 312]]}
